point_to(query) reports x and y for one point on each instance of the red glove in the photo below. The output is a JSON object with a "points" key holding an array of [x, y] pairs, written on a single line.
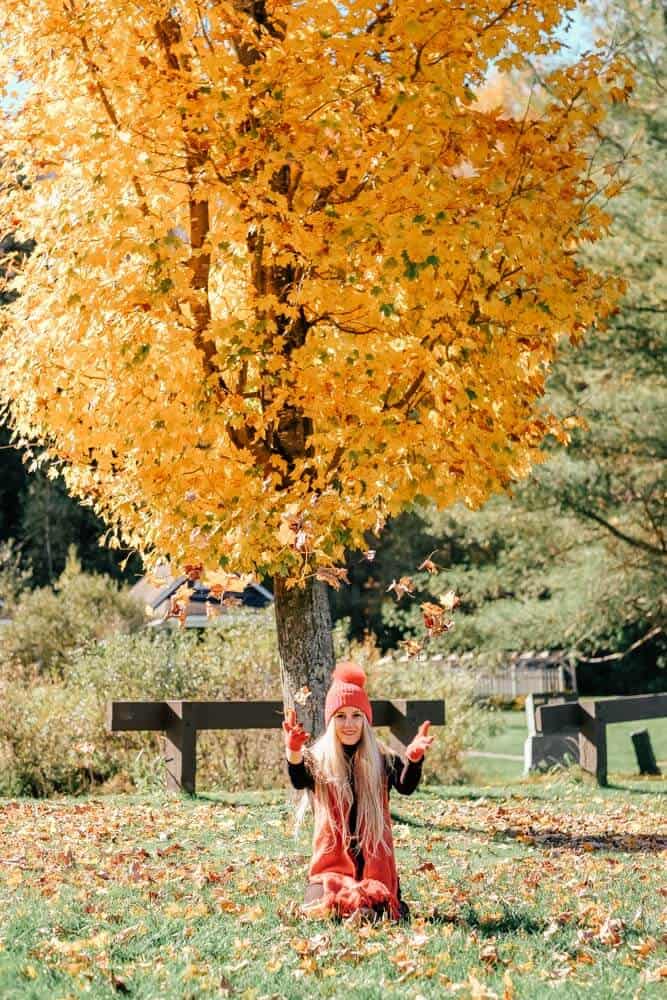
{"points": [[295, 734], [415, 751]]}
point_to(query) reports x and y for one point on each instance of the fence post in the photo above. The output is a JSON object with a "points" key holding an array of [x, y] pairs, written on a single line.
{"points": [[180, 747], [593, 742]]}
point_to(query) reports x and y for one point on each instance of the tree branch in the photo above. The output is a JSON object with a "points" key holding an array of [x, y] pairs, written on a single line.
{"points": [[636, 543], [656, 630]]}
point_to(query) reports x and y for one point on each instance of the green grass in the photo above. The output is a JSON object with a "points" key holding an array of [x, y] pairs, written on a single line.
{"points": [[510, 730], [548, 887]]}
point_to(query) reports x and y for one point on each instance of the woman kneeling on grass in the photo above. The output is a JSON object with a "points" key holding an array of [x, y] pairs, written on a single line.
{"points": [[348, 775]]}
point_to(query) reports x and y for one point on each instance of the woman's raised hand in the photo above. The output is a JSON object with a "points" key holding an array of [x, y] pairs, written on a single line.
{"points": [[420, 744], [295, 734]]}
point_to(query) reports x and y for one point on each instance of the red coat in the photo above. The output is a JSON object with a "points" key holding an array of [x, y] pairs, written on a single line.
{"points": [[333, 865]]}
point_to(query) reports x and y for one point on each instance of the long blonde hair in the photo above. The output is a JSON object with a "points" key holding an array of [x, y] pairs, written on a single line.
{"points": [[330, 767]]}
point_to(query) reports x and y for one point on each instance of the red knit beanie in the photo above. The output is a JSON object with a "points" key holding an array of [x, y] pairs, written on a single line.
{"points": [[347, 691]]}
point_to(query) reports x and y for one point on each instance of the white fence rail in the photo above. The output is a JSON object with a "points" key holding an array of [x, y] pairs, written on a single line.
{"points": [[526, 674], [515, 681]]}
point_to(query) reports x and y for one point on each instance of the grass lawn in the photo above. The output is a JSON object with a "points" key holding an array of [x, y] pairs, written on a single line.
{"points": [[511, 731], [544, 888]]}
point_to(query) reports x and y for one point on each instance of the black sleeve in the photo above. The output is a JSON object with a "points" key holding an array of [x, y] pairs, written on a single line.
{"points": [[300, 776], [404, 778]]}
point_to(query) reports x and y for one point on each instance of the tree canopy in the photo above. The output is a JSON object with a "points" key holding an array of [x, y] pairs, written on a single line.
{"points": [[289, 273]]}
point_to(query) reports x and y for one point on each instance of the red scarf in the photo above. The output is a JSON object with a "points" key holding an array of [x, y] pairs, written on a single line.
{"points": [[333, 866]]}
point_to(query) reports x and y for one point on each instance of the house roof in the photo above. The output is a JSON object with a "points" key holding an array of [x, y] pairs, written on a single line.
{"points": [[203, 609]]}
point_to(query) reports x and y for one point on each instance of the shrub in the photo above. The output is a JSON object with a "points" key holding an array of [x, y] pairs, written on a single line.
{"points": [[14, 577], [237, 663], [53, 735], [49, 741], [49, 624]]}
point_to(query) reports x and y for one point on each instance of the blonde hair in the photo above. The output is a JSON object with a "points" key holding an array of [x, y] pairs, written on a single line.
{"points": [[330, 767]]}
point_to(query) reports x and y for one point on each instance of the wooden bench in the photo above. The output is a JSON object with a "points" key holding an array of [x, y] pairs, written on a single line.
{"points": [[180, 721], [591, 718]]}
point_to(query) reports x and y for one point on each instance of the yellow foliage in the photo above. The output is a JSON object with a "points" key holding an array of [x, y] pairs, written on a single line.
{"points": [[288, 270]]}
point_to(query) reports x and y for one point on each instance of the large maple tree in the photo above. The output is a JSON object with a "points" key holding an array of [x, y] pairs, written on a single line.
{"points": [[289, 273]]}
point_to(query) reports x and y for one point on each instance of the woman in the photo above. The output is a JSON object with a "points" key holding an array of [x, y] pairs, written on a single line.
{"points": [[347, 775]]}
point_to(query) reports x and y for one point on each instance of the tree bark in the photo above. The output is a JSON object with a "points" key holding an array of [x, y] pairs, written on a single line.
{"points": [[305, 645]]}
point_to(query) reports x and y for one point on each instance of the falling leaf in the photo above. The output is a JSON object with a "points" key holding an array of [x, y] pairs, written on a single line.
{"points": [[429, 566], [220, 582], [403, 586], [411, 646], [295, 531], [231, 602], [333, 575], [449, 601], [435, 619], [302, 695], [193, 571]]}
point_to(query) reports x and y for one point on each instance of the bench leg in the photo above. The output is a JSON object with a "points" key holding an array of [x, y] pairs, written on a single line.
{"points": [[180, 751]]}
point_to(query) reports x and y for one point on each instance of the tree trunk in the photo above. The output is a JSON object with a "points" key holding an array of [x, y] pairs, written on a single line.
{"points": [[305, 645]]}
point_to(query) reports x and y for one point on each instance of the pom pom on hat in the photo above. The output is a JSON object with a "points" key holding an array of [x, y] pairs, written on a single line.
{"points": [[348, 690], [349, 673]]}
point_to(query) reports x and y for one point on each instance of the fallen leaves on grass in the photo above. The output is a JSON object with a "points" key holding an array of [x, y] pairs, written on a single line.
{"points": [[546, 903]]}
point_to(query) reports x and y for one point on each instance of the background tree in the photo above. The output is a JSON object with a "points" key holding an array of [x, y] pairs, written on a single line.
{"points": [[38, 514], [289, 277], [576, 561]]}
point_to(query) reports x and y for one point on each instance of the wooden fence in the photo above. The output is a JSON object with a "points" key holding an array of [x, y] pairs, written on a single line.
{"points": [[180, 721], [590, 719]]}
